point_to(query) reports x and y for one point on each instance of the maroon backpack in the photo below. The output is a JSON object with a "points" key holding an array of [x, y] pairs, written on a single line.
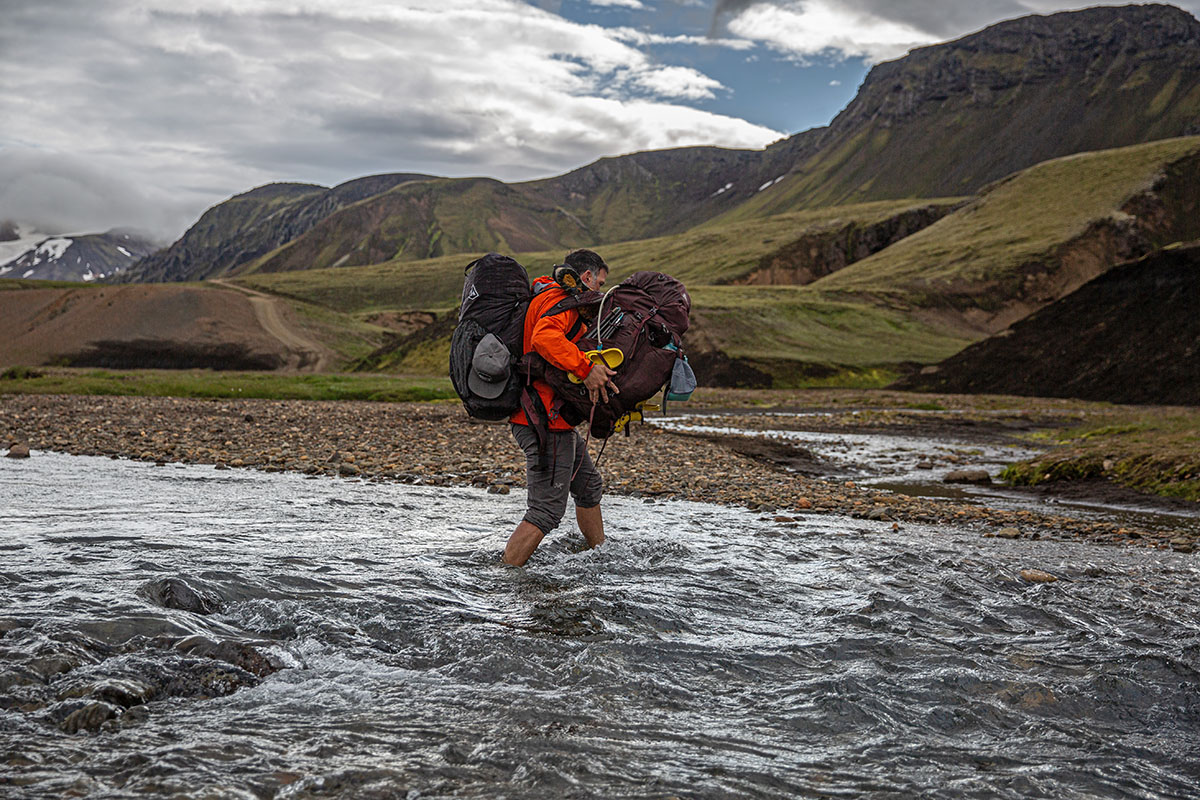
{"points": [[645, 316]]}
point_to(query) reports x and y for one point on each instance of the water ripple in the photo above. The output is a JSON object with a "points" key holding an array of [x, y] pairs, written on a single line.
{"points": [[363, 641]]}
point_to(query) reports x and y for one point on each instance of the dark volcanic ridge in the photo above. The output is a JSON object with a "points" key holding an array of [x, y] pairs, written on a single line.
{"points": [[1131, 335]]}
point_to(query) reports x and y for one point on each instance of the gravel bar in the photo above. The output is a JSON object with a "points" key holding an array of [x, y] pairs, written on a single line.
{"points": [[437, 444]]}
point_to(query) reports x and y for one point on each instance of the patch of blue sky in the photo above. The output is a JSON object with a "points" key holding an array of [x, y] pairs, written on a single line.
{"points": [[762, 86]]}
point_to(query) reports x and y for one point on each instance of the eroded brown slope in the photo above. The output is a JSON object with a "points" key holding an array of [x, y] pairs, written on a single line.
{"points": [[156, 326]]}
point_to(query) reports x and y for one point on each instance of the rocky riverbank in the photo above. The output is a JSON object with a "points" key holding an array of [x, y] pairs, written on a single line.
{"points": [[437, 444]]}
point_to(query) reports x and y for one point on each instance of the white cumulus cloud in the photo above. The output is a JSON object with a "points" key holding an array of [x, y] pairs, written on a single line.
{"points": [[176, 104], [810, 27], [876, 30]]}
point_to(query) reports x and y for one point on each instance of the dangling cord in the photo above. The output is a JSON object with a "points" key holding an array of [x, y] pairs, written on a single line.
{"points": [[600, 455]]}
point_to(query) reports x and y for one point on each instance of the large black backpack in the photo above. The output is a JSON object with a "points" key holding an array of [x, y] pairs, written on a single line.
{"points": [[645, 316], [495, 298]]}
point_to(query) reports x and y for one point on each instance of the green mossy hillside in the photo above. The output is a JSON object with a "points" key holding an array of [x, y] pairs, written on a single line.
{"points": [[1010, 244]]}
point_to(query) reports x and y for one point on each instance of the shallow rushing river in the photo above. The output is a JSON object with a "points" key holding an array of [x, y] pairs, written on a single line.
{"points": [[704, 652], [915, 464]]}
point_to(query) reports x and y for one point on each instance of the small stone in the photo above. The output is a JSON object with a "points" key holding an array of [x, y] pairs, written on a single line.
{"points": [[967, 476], [497, 488], [51, 665], [237, 462], [118, 692], [784, 519], [347, 469], [924, 465], [88, 718], [221, 465], [1182, 544], [18, 451], [1037, 576], [1008, 533], [878, 513], [804, 502]]}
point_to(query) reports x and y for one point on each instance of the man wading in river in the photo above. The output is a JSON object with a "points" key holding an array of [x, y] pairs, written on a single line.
{"points": [[565, 466]]}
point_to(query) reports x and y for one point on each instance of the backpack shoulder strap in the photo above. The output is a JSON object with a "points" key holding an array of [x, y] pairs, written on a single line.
{"points": [[574, 301], [576, 329]]}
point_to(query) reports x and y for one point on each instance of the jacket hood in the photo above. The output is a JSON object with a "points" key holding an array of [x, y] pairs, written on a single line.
{"points": [[543, 283]]}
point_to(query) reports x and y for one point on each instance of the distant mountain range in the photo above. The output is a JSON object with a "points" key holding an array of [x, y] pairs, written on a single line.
{"points": [[943, 121], [254, 223], [87, 257]]}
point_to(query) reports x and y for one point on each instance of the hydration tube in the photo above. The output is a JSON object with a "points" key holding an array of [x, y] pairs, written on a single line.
{"points": [[600, 318]]}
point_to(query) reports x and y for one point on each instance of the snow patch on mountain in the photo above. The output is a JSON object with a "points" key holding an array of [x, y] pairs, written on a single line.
{"points": [[51, 250], [27, 239], [769, 184]]}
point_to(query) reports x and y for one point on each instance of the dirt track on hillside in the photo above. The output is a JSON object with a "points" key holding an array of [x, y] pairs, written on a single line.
{"points": [[307, 355]]}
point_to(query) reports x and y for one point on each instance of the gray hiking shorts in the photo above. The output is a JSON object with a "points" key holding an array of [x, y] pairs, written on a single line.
{"points": [[548, 488]]}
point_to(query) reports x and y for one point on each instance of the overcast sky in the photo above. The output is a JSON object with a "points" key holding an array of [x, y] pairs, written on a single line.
{"points": [[146, 112]]}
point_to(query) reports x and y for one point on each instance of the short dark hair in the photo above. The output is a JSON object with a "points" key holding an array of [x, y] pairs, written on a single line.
{"points": [[584, 260]]}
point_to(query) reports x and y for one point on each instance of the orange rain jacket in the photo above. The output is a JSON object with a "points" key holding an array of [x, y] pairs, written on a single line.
{"points": [[547, 336]]}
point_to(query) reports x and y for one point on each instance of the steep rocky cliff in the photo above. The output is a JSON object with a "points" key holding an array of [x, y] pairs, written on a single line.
{"points": [[945, 120], [815, 255]]}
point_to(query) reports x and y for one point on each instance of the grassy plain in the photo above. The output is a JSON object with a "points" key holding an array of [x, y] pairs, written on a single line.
{"points": [[15, 284], [1152, 450], [211, 384], [861, 343], [704, 256]]}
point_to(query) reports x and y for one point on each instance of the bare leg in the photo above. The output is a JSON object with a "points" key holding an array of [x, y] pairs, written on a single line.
{"points": [[524, 540], [591, 525]]}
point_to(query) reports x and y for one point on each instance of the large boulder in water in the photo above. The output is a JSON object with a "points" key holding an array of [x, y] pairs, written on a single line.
{"points": [[177, 593]]}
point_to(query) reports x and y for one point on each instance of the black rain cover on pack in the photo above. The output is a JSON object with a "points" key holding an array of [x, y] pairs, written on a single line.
{"points": [[645, 316], [495, 298]]}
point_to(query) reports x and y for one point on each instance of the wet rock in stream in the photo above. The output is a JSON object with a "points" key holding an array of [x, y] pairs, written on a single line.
{"points": [[178, 594], [967, 476], [18, 451], [83, 717], [80, 685], [117, 691], [239, 654]]}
